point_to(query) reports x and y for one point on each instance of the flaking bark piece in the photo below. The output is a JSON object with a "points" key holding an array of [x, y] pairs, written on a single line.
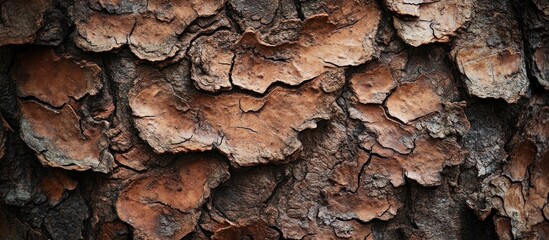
{"points": [[61, 138], [151, 30], [419, 157], [20, 20], [522, 155], [100, 32], [493, 73], [212, 60], [405, 8], [166, 203], [374, 196], [199, 28], [54, 184], [344, 37], [139, 157], [413, 100], [373, 85], [429, 158], [345, 174], [248, 130], [54, 123], [164, 119], [390, 134], [422, 22], [55, 79], [490, 54]]}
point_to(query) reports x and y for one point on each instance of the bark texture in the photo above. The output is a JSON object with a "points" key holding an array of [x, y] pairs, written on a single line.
{"points": [[274, 119]]}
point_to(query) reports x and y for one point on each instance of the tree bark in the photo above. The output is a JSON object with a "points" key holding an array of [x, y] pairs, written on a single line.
{"points": [[274, 119]]}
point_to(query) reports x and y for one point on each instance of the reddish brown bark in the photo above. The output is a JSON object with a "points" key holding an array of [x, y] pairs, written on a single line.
{"points": [[274, 119]]}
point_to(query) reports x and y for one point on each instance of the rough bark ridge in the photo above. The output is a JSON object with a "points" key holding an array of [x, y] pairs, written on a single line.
{"points": [[274, 119]]}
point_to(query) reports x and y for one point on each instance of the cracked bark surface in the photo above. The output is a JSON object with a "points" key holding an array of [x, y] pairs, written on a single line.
{"points": [[274, 119], [150, 28], [55, 118], [428, 21], [488, 59]]}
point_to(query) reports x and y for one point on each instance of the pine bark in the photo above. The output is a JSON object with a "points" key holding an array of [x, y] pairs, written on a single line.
{"points": [[274, 119]]}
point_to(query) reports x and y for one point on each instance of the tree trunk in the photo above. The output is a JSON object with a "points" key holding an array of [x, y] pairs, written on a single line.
{"points": [[304, 119]]}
